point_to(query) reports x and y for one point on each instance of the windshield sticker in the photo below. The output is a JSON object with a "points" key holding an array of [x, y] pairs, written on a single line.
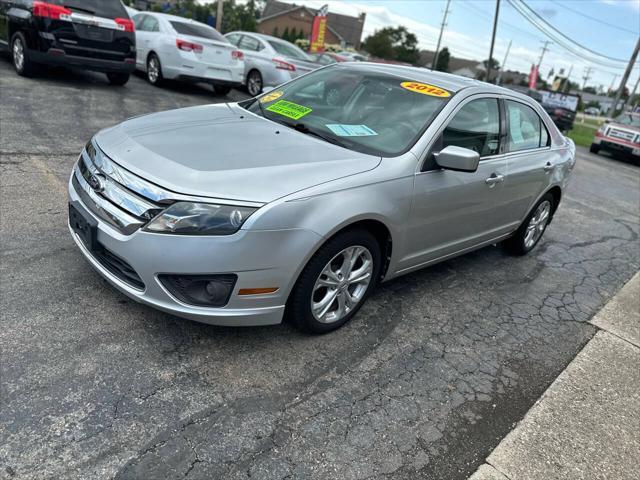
{"points": [[425, 89], [271, 96], [350, 130], [289, 109]]}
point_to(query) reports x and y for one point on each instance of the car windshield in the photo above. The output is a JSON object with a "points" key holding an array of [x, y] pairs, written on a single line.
{"points": [[202, 31], [628, 119], [356, 108], [289, 50]]}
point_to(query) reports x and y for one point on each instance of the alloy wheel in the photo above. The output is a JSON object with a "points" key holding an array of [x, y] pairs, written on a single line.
{"points": [[18, 54], [254, 83], [537, 224], [153, 70], [342, 284]]}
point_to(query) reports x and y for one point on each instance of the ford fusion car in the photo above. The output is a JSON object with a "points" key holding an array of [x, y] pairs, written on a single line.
{"points": [[286, 206]]}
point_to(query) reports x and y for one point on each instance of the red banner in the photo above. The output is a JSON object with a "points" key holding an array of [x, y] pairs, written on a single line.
{"points": [[533, 77], [318, 31]]}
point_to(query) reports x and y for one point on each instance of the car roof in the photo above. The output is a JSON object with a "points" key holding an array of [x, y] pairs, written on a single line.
{"points": [[444, 80]]}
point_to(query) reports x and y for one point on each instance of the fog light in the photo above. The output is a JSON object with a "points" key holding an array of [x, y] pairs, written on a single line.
{"points": [[200, 290]]}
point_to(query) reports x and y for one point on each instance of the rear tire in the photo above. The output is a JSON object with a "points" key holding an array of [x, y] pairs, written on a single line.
{"points": [[118, 79], [221, 89], [154, 70], [594, 148], [532, 229], [320, 303], [19, 57], [254, 83]]}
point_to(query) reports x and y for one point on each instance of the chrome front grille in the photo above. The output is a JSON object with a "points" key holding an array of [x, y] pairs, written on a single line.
{"points": [[621, 134], [110, 191]]}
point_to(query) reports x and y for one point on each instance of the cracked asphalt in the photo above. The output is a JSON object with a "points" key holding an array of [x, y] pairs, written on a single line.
{"points": [[422, 384]]}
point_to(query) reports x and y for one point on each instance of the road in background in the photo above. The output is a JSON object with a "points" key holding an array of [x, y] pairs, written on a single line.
{"points": [[423, 383]]}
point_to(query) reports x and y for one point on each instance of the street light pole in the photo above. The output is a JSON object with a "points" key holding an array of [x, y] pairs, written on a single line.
{"points": [[625, 77], [493, 40], [506, 55], [444, 22]]}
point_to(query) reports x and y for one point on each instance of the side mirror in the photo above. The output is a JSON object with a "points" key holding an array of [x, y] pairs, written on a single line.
{"points": [[458, 159]]}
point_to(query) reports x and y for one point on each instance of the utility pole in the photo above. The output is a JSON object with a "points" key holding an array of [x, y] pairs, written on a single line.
{"points": [[544, 49], [493, 40], [625, 77], [587, 76], [219, 16], [444, 23], [499, 80], [635, 89], [567, 85], [613, 81]]}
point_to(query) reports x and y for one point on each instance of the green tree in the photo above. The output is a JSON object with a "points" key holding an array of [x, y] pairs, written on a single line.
{"points": [[495, 65], [393, 44], [442, 65], [286, 35]]}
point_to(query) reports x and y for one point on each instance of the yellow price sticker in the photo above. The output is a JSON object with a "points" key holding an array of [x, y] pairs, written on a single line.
{"points": [[425, 89], [271, 96]]}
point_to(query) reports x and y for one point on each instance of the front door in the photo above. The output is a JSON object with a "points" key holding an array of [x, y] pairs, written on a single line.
{"points": [[454, 211]]}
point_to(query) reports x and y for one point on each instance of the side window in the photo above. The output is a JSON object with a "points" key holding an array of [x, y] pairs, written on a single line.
{"points": [[476, 126], [233, 38], [138, 20], [249, 43], [151, 24], [526, 130]]}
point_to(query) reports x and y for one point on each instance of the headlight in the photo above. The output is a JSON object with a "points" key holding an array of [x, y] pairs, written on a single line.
{"points": [[185, 218], [603, 128]]}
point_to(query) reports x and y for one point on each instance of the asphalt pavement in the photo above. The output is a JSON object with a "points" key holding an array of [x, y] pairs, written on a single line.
{"points": [[424, 383]]}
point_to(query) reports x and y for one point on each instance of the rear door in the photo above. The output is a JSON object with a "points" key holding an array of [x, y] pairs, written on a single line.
{"points": [[99, 29], [216, 50], [530, 161]]}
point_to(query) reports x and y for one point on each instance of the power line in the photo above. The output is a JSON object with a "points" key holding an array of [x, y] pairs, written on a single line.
{"points": [[578, 12], [559, 40], [532, 11]]}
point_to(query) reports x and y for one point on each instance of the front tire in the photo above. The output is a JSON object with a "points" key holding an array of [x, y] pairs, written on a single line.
{"points": [[532, 229], [154, 70], [594, 148], [336, 282], [254, 83], [118, 79], [21, 62]]}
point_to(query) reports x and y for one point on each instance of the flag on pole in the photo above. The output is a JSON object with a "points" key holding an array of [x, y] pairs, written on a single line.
{"points": [[319, 29], [533, 77]]}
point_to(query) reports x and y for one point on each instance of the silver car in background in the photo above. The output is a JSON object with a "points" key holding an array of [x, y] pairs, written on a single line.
{"points": [[176, 48], [270, 61], [287, 206]]}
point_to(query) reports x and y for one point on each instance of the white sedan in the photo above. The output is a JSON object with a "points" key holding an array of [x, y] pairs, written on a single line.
{"points": [[176, 48]]}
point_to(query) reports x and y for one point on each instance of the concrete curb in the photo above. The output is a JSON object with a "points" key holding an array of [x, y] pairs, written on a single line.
{"points": [[586, 424]]}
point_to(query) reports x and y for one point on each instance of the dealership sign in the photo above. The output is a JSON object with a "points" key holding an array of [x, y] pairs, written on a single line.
{"points": [[319, 29]]}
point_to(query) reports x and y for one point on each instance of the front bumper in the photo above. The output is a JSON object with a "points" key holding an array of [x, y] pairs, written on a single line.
{"points": [[259, 259], [616, 146]]}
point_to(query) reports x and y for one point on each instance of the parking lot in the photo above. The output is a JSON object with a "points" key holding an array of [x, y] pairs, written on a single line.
{"points": [[436, 368]]}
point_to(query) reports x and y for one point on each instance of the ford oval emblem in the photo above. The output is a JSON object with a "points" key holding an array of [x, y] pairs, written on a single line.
{"points": [[96, 182]]}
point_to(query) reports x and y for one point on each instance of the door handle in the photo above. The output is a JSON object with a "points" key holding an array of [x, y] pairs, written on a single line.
{"points": [[548, 167], [493, 179]]}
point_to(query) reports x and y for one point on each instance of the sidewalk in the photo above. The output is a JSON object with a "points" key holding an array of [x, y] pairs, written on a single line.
{"points": [[587, 424]]}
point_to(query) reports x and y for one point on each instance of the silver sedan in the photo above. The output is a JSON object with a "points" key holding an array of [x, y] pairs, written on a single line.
{"points": [[289, 206]]}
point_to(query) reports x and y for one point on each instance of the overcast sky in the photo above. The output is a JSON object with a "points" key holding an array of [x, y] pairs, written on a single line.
{"points": [[468, 33]]}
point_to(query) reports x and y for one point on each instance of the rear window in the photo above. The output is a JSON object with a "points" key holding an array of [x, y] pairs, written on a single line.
{"points": [[289, 50], [195, 30], [99, 8]]}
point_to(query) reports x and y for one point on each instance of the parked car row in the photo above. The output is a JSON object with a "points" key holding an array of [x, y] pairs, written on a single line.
{"points": [[105, 36]]}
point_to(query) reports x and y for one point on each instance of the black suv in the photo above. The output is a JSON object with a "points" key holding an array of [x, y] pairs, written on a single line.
{"points": [[92, 34]]}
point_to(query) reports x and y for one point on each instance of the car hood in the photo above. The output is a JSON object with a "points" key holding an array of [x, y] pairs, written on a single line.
{"points": [[223, 151]]}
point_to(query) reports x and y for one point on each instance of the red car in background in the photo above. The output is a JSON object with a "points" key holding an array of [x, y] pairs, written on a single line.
{"points": [[621, 136]]}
